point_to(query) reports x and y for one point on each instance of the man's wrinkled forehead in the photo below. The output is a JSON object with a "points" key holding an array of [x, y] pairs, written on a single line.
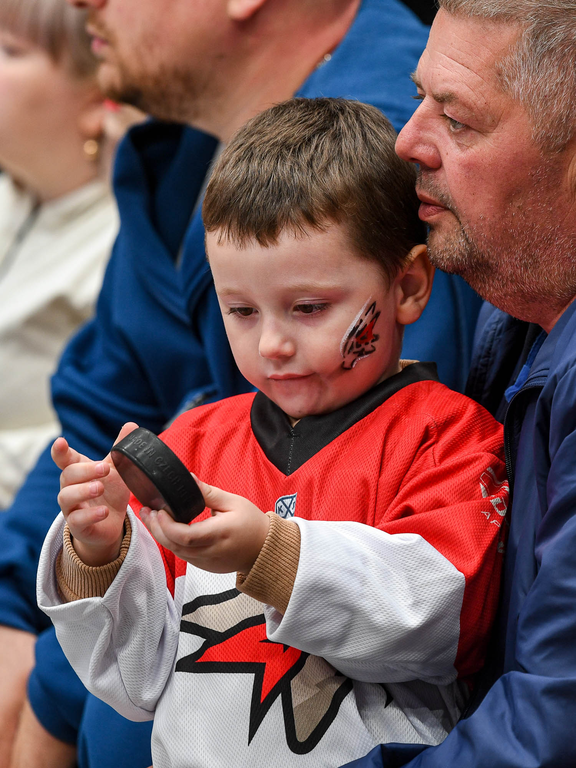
{"points": [[463, 57]]}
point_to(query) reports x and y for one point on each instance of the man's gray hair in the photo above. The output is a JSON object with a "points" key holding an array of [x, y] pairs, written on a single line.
{"points": [[540, 71]]}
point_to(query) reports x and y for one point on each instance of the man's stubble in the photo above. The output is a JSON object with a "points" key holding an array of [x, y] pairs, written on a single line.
{"points": [[165, 90], [521, 262]]}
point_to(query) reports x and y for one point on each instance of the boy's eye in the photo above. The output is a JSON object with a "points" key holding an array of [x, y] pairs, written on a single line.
{"points": [[241, 311], [11, 51], [310, 309]]}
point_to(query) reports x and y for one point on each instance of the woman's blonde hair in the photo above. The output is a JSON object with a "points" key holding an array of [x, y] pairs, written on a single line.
{"points": [[54, 26]]}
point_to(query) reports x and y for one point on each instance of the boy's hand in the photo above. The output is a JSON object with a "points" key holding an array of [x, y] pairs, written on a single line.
{"points": [[93, 499], [230, 540]]}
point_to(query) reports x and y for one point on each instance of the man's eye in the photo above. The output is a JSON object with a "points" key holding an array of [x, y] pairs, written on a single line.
{"points": [[241, 311], [310, 309], [454, 125]]}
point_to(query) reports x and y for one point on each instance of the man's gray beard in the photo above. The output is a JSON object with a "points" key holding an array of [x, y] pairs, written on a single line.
{"points": [[530, 273]]}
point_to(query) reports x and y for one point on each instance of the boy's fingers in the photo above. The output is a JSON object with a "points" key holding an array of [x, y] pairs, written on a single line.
{"points": [[63, 455], [83, 472], [216, 498], [81, 519], [130, 426], [150, 520], [72, 496], [169, 533]]}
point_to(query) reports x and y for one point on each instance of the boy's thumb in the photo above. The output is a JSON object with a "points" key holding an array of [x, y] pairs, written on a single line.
{"points": [[215, 498]]}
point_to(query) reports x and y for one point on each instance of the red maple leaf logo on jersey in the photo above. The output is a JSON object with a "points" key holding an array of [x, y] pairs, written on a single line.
{"points": [[240, 646]]}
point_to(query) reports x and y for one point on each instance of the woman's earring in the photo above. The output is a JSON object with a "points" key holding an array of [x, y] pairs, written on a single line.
{"points": [[92, 149]]}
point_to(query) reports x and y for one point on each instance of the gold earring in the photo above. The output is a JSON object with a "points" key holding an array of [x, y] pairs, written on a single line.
{"points": [[92, 150]]}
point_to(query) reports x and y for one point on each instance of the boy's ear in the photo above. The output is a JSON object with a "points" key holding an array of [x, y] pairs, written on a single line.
{"points": [[413, 286], [242, 10]]}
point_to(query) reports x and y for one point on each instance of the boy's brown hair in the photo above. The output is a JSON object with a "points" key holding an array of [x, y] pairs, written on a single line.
{"points": [[306, 163]]}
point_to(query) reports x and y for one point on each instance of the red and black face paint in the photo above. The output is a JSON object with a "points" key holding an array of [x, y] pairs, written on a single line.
{"points": [[360, 340]]}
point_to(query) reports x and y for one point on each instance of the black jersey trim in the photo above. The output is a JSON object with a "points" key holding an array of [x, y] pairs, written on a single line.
{"points": [[288, 448]]}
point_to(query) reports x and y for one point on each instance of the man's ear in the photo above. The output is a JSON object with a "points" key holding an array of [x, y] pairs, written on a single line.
{"points": [[242, 10], [413, 286]]}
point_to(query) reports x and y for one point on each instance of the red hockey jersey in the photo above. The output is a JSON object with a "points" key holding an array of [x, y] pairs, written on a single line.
{"points": [[400, 498]]}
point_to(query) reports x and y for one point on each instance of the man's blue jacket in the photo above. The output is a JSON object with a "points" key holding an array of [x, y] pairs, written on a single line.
{"points": [[527, 717], [157, 342]]}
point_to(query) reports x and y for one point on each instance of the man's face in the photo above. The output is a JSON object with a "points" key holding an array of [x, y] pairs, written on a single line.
{"points": [[289, 311], [501, 212], [157, 54]]}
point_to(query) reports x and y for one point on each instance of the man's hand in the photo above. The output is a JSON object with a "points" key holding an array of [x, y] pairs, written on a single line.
{"points": [[93, 499], [230, 540]]}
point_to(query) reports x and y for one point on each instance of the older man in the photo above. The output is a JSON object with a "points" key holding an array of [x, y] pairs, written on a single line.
{"points": [[495, 141], [213, 65]]}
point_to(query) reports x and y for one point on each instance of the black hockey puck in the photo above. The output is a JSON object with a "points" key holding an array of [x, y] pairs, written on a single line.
{"points": [[156, 476]]}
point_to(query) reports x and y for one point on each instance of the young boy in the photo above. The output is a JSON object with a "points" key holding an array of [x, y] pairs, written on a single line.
{"points": [[357, 611]]}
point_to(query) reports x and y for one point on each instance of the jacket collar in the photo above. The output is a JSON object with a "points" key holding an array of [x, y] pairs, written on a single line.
{"points": [[559, 346]]}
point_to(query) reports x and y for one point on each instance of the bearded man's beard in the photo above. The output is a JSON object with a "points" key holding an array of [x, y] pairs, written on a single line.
{"points": [[167, 92], [520, 263], [164, 94]]}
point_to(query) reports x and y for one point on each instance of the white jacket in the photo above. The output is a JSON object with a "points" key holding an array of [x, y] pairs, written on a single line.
{"points": [[51, 265]]}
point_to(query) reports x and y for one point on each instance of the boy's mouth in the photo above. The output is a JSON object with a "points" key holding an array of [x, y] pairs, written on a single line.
{"points": [[288, 376]]}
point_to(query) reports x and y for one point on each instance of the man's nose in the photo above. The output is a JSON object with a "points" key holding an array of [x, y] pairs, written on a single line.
{"points": [[416, 142], [275, 342]]}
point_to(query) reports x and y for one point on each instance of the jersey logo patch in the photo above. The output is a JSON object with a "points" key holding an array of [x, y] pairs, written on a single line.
{"points": [[497, 491], [235, 642], [286, 506]]}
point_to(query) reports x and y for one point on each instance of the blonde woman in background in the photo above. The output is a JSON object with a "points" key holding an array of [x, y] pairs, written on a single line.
{"points": [[57, 215]]}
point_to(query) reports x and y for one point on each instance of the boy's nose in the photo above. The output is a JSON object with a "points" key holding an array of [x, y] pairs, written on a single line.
{"points": [[274, 343]]}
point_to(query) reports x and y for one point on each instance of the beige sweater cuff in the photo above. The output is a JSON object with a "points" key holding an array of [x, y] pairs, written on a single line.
{"points": [[76, 580], [271, 578]]}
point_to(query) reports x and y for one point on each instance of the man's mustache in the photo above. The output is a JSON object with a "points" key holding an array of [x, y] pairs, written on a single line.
{"points": [[429, 187], [98, 29]]}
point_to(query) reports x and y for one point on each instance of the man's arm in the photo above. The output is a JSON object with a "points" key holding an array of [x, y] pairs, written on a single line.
{"points": [[34, 746]]}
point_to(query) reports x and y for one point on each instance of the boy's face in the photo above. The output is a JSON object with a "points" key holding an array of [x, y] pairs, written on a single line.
{"points": [[311, 324]]}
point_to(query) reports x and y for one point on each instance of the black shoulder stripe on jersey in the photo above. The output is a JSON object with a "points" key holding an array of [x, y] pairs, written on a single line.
{"points": [[288, 448]]}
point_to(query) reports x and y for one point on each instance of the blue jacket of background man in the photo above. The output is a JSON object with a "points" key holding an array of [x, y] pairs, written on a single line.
{"points": [[157, 342], [526, 719]]}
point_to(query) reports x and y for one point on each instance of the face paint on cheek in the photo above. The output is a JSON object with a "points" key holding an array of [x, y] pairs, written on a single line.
{"points": [[359, 341]]}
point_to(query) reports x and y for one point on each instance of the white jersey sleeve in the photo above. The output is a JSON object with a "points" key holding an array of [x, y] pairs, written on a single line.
{"points": [[122, 645], [379, 607]]}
